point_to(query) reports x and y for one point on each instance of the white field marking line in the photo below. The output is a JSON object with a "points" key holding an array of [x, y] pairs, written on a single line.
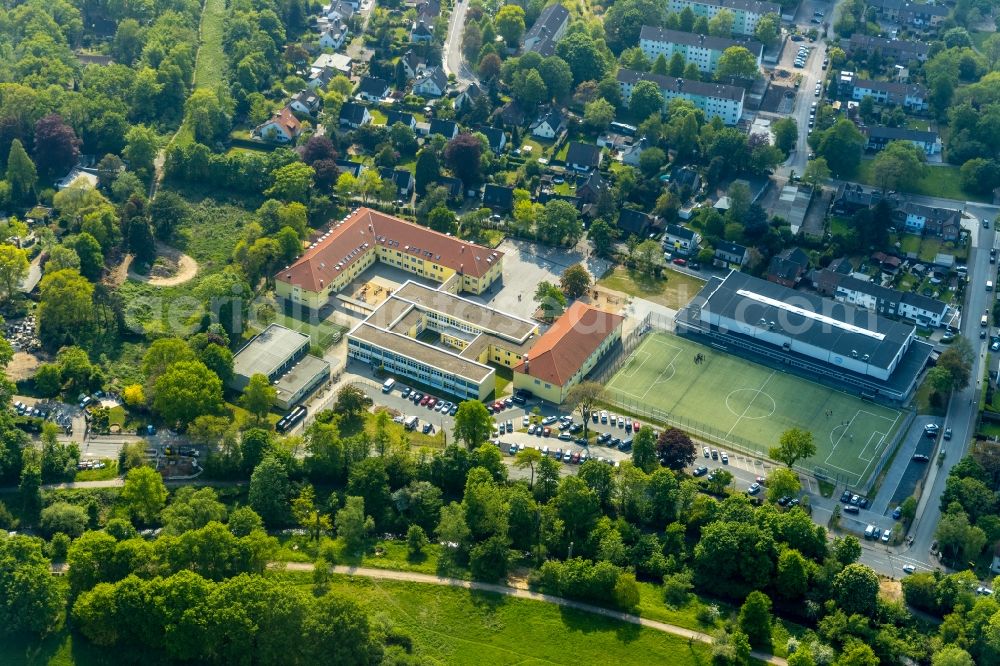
{"points": [[668, 366], [636, 396], [864, 474], [635, 363], [839, 439], [630, 365], [749, 404], [847, 429], [881, 439]]}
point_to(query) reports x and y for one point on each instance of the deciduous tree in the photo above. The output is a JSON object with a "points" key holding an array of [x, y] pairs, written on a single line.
{"points": [[143, 495], [737, 61], [855, 590], [13, 268], [644, 449], [185, 391], [56, 146], [473, 424], [575, 281], [794, 445], [755, 619], [782, 482], [270, 490], [258, 396], [675, 449], [462, 155]]}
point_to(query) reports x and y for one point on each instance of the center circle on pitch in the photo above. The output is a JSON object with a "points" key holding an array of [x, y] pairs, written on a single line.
{"points": [[750, 404]]}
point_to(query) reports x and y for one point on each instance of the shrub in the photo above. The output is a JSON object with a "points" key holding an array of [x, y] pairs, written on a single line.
{"points": [[64, 517]]}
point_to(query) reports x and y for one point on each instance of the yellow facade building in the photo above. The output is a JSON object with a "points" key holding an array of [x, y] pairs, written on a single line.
{"points": [[565, 353], [365, 236], [441, 340]]}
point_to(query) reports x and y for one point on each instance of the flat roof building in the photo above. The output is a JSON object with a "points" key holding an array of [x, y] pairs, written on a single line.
{"points": [[356, 242], [565, 353], [281, 355], [821, 338], [441, 340]]}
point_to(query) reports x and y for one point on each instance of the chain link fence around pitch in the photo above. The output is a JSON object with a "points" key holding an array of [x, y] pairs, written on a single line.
{"points": [[702, 431]]}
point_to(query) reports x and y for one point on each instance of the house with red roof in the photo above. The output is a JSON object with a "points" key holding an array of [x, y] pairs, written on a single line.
{"points": [[283, 127]]}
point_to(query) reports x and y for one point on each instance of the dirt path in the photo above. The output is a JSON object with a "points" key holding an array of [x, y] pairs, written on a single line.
{"points": [[187, 268], [520, 593]]}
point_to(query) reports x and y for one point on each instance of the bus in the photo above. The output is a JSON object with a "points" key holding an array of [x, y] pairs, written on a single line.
{"points": [[387, 386], [286, 422]]}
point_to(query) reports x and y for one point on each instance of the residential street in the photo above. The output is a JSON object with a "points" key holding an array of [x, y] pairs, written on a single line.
{"points": [[451, 52]]}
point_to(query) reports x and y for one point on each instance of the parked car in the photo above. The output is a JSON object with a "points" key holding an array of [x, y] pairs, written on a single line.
{"points": [[897, 513]]}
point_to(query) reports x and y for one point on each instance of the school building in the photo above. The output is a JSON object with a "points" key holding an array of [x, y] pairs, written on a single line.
{"points": [[365, 236], [441, 340], [565, 353]]}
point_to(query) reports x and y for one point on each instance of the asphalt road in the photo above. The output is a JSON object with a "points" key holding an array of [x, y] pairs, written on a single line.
{"points": [[963, 408], [451, 53], [812, 73]]}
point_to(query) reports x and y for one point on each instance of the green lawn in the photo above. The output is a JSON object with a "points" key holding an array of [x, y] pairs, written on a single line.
{"points": [[673, 290], [324, 334], [504, 377], [939, 181], [454, 626], [109, 472], [978, 38], [209, 236], [210, 66], [737, 403]]}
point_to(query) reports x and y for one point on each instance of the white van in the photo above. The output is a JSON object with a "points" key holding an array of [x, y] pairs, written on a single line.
{"points": [[387, 386], [984, 321]]}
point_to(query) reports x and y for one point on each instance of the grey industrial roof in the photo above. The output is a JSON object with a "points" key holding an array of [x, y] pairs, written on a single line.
{"points": [[682, 86], [694, 39], [268, 351], [482, 316], [837, 327], [300, 375]]}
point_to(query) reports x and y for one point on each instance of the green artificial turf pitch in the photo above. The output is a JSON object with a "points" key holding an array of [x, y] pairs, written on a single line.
{"points": [[735, 402]]}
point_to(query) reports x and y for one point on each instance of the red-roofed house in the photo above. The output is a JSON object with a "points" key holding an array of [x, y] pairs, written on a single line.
{"points": [[349, 247], [566, 352], [283, 127]]}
